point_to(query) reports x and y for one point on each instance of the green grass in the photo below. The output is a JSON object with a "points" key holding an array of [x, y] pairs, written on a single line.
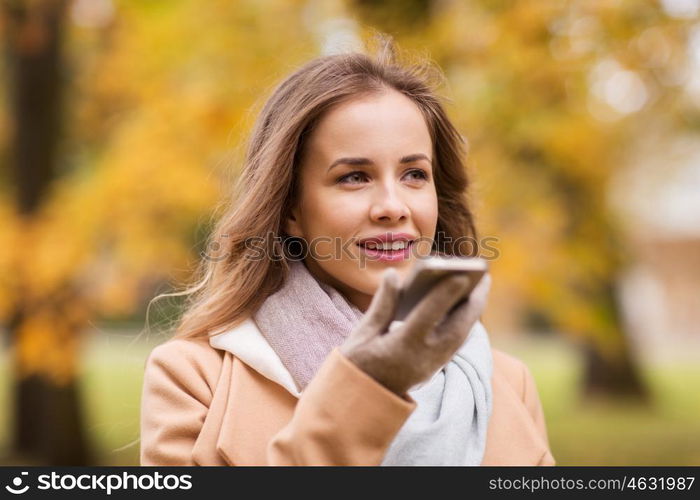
{"points": [[584, 432], [112, 375], [111, 383], [580, 432]]}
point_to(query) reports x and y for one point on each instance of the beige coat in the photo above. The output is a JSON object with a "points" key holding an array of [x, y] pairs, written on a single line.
{"points": [[205, 406]]}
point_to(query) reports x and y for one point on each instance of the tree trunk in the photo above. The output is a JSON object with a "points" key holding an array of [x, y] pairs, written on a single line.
{"points": [[48, 424], [613, 376], [610, 369]]}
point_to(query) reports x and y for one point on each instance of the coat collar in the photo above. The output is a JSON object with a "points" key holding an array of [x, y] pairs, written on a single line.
{"points": [[247, 343]]}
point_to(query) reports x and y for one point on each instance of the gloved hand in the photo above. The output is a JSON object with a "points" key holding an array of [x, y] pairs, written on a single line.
{"points": [[433, 331]]}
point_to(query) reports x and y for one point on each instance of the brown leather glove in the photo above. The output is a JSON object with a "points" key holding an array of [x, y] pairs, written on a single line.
{"points": [[433, 331]]}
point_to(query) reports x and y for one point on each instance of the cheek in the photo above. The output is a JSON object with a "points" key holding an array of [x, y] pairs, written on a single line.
{"points": [[425, 212], [331, 214], [330, 221], [425, 217]]}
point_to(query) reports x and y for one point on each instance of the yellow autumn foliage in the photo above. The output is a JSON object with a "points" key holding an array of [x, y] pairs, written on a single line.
{"points": [[161, 99]]}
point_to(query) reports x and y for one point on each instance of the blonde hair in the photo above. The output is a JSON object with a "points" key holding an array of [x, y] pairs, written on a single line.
{"points": [[231, 289]]}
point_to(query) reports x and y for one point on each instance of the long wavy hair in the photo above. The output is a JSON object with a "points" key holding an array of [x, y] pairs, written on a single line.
{"points": [[229, 289]]}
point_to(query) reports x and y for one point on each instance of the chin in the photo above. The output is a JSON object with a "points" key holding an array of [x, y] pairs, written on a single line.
{"points": [[373, 277]]}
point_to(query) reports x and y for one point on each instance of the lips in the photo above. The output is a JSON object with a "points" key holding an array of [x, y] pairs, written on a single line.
{"points": [[388, 241], [386, 256]]}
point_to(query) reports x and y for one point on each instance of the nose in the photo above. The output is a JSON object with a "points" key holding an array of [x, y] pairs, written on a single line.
{"points": [[388, 205]]}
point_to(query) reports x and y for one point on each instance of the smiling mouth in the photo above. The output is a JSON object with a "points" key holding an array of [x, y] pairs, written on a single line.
{"points": [[396, 246]]}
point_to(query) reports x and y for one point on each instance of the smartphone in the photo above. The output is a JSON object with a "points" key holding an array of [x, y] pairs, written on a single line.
{"points": [[428, 271]]}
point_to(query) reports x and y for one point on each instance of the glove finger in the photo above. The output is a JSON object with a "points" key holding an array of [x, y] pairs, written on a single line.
{"points": [[381, 310], [459, 322], [431, 309]]}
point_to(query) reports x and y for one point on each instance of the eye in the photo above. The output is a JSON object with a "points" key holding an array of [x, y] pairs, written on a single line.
{"points": [[422, 175], [351, 178]]}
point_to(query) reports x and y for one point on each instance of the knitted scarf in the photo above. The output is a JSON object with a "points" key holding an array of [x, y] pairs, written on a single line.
{"points": [[306, 319]]}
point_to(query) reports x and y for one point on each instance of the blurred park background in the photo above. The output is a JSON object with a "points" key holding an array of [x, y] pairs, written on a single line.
{"points": [[122, 123]]}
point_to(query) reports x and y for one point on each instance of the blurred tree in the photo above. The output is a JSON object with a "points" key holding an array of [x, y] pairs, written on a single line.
{"points": [[111, 190], [48, 419], [550, 96]]}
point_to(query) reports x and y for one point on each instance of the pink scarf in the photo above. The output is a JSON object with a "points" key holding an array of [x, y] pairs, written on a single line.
{"points": [[303, 323]]}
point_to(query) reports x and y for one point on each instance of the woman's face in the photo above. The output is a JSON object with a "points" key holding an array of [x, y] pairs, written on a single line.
{"points": [[366, 172]]}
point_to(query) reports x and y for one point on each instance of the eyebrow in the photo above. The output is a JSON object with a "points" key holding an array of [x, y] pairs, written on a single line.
{"points": [[367, 161]]}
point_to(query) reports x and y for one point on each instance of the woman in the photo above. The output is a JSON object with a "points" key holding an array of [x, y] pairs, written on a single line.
{"points": [[287, 353]]}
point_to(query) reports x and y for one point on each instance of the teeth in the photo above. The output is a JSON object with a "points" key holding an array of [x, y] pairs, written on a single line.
{"points": [[396, 245]]}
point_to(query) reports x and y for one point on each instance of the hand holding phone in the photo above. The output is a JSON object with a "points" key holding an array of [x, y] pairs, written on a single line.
{"points": [[430, 270], [435, 327]]}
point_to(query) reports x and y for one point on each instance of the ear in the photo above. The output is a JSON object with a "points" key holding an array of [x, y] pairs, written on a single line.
{"points": [[291, 224]]}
